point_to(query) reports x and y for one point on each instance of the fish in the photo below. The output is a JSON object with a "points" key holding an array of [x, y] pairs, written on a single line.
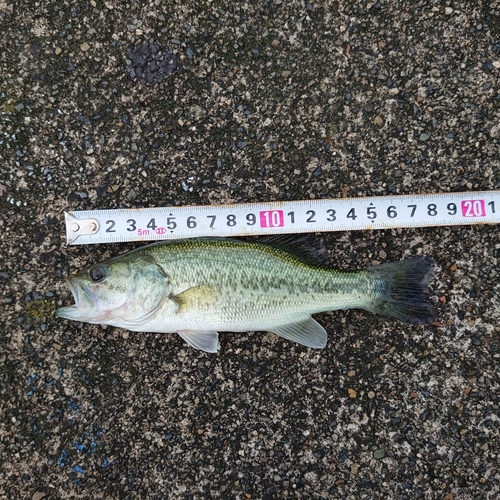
{"points": [[202, 286]]}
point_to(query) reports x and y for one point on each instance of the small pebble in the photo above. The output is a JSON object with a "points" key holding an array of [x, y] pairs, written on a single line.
{"points": [[378, 454], [423, 137]]}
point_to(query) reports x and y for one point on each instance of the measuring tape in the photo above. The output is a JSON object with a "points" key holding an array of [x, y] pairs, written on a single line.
{"points": [[247, 219]]}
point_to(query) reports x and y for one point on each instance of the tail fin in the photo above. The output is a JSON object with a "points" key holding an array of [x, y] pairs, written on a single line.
{"points": [[400, 289]]}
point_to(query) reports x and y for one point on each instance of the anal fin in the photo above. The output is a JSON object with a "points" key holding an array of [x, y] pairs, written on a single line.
{"points": [[207, 341], [307, 332]]}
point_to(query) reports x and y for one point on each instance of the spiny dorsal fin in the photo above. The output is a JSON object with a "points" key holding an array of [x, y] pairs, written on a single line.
{"points": [[306, 247]]}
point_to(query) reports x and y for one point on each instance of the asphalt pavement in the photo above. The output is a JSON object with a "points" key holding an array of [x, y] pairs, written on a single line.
{"points": [[108, 104]]}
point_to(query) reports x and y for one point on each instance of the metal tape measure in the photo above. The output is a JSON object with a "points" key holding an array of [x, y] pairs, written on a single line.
{"points": [[247, 219]]}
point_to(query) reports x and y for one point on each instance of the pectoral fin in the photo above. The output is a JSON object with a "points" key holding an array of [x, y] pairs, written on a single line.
{"points": [[207, 341], [307, 332], [194, 298]]}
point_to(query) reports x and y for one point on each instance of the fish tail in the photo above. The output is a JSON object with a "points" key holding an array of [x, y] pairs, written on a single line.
{"points": [[400, 289]]}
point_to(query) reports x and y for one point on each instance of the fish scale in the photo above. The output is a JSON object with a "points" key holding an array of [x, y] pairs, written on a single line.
{"points": [[269, 268]]}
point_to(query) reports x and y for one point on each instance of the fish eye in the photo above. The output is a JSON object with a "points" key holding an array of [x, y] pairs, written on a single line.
{"points": [[97, 273]]}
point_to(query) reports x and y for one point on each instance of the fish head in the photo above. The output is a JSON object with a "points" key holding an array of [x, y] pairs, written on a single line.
{"points": [[121, 291]]}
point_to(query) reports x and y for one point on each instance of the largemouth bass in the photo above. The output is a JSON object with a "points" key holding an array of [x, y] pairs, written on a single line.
{"points": [[198, 287]]}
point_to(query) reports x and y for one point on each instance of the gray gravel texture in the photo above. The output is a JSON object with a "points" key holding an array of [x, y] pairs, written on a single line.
{"points": [[270, 100]]}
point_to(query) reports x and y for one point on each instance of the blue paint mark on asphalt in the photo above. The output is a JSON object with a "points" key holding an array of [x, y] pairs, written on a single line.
{"points": [[79, 446], [73, 405], [62, 458], [78, 469], [32, 379]]}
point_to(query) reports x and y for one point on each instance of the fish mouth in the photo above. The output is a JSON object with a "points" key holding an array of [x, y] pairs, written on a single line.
{"points": [[75, 311]]}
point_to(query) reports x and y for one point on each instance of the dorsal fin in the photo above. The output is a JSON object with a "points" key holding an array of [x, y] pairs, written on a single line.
{"points": [[306, 247]]}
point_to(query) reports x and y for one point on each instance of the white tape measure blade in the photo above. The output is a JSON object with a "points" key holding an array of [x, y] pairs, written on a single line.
{"points": [[323, 215]]}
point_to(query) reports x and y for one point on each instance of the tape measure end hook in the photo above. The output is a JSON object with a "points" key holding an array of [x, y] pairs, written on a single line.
{"points": [[77, 227]]}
